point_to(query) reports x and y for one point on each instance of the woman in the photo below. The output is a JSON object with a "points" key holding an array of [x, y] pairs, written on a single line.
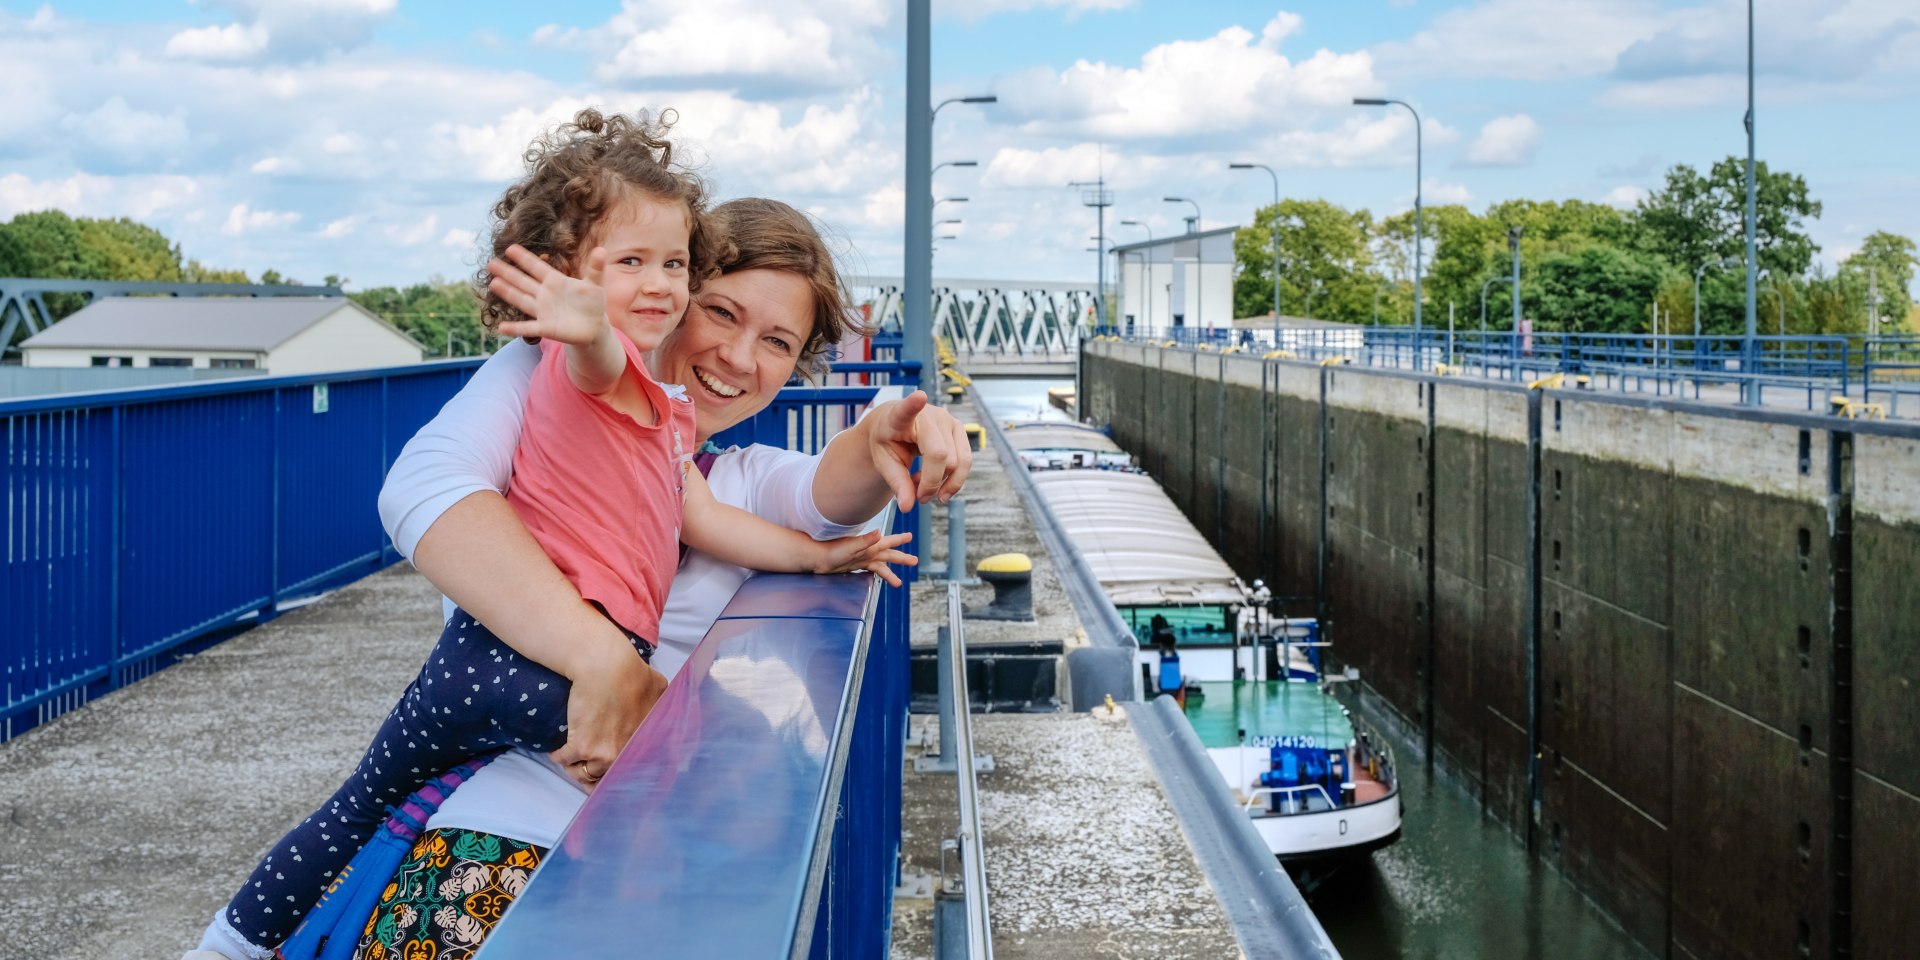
{"points": [[776, 307]]}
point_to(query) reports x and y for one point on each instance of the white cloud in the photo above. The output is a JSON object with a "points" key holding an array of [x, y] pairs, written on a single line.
{"points": [[1507, 141], [415, 234], [1626, 196], [886, 207], [456, 237], [788, 48], [242, 219], [1434, 193], [1224, 86], [342, 227], [124, 133], [337, 143], [87, 195], [235, 41], [1525, 39], [271, 165], [972, 10]]}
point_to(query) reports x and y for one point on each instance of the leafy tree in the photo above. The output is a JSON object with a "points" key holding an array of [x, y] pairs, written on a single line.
{"points": [[1323, 255], [1599, 289], [1696, 219], [1887, 260], [443, 315], [124, 250], [196, 272]]}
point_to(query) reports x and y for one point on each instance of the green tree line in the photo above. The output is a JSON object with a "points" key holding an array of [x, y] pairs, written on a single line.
{"points": [[1584, 267], [48, 244]]}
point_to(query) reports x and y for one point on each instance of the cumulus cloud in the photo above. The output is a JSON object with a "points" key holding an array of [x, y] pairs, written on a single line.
{"points": [[345, 226], [972, 10], [822, 46], [415, 234], [456, 237], [243, 219], [235, 41], [89, 195], [1507, 141], [123, 133], [1224, 86], [1626, 196], [1434, 193]]}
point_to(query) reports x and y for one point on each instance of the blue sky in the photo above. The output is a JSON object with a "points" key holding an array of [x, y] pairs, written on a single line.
{"points": [[368, 137]]}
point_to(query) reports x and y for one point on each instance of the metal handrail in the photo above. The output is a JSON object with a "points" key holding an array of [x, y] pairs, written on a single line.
{"points": [[973, 848]]}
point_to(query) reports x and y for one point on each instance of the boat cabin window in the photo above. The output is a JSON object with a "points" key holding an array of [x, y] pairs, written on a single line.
{"points": [[1193, 625]]}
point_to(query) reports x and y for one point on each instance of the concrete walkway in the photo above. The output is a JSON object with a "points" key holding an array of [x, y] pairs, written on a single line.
{"points": [[125, 824]]}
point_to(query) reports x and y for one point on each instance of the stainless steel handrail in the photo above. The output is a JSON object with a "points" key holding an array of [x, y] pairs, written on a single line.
{"points": [[973, 849]]}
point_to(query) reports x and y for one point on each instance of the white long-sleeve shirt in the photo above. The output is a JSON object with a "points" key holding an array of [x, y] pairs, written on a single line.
{"points": [[468, 448]]}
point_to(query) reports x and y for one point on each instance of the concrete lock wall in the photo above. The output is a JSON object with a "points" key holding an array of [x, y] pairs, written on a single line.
{"points": [[1674, 647]]}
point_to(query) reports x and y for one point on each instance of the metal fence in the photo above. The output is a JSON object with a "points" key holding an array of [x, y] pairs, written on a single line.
{"points": [[139, 521], [1801, 370]]}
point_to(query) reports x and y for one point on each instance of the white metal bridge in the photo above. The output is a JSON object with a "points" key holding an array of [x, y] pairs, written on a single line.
{"points": [[993, 321]]}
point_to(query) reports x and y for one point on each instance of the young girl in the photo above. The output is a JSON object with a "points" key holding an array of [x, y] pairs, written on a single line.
{"points": [[602, 243]]}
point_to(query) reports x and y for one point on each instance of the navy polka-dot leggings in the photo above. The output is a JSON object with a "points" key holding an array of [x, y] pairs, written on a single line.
{"points": [[474, 695]]}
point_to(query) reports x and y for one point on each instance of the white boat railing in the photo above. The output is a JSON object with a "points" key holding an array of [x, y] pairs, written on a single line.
{"points": [[1253, 796]]}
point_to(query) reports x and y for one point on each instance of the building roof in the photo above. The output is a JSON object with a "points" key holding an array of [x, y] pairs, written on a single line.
{"points": [[240, 324], [1172, 239]]}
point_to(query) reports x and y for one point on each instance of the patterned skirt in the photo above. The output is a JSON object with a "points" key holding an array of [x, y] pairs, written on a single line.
{"points": [[447, 896]]}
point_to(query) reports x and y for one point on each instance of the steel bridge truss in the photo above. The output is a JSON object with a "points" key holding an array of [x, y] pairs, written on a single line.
{"points": [[991, 317]]}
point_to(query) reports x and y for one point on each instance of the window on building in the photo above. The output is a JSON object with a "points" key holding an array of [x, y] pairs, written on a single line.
{"points": [[232, 363], [170, 361], [113, 361]]}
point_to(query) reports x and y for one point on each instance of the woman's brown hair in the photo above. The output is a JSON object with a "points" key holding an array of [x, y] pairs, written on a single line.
{"points": [[754, 233], [576, 174]]}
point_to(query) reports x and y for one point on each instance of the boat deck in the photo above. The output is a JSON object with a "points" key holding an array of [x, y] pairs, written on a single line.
{"points": [[1271, 708]]}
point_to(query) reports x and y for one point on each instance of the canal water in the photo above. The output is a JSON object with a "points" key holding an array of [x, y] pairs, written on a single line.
{"points": [[1456, 884]]}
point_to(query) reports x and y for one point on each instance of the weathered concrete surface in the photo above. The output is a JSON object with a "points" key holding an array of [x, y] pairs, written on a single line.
{"points": [[128, 822], [1691, 595], [1084, 856]]}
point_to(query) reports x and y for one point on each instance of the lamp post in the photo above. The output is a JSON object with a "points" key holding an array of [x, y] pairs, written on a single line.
{"points": [[1697, 271], [942, 200], [1419, 222], [1750, 393], [988, 98], [1275, 231], [1146, 269], [1483, 302], [1199, 263], [954, 163]]}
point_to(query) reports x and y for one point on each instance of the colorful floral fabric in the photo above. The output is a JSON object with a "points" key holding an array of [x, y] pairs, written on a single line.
{"points": [[447, 896]]}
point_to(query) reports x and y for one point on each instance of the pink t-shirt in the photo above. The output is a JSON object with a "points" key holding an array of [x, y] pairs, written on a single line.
{"points": [[600, 492]]}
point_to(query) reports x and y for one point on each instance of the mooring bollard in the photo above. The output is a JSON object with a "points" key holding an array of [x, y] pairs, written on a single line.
{"points": [[1011, 575]]}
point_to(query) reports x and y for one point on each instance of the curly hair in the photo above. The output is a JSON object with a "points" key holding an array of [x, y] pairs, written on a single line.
{"points": [[576, 174], [754, 233]]}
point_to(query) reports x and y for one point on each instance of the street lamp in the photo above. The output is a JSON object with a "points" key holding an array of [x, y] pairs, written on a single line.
{"points": [[942, 200], [1199, 263], [1419, 223], [1751, 391], [954, 163], [981, 99], [1275, 229], [1697, 271], [1483, 303]]}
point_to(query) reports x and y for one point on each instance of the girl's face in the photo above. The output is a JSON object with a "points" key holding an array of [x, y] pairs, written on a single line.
{"points": [[739, 344], [646, 267]]}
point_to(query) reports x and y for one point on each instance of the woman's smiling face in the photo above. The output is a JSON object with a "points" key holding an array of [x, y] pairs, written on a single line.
{"points": [[738, 344]]}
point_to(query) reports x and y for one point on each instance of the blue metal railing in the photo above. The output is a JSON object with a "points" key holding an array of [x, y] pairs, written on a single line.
{"points": [[1806, 368], [1890, 370], [136, 521]]}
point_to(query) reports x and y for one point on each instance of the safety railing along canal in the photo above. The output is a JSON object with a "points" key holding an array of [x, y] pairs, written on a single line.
{"points": [[1799, 370], [961, 927]]}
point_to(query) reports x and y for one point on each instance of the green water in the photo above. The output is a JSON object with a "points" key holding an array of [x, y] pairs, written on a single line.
{"points": [[1459, 885]]}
